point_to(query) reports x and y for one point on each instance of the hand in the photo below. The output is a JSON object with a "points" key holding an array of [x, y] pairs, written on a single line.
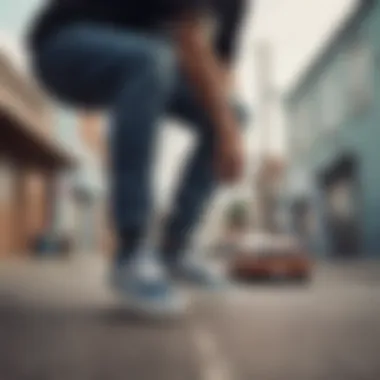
{"points": [[229, 158]]}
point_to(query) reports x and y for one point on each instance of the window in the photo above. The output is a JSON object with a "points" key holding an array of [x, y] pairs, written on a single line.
{"points": [[331, 105], [314, 116], [301, 126], [359, 76]]}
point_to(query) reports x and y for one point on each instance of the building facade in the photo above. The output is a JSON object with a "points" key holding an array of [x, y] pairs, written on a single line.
{"points": [[77, 206], [30, 160], [333, 180]]}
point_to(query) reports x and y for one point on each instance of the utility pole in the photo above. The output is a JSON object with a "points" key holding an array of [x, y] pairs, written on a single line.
{"points": [[265, 89]]}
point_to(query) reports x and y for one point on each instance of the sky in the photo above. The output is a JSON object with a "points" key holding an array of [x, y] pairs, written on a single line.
{"points": [[295, 29]]}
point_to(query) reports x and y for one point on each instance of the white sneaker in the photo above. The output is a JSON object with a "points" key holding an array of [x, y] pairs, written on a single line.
{"points": [[146, 288]]}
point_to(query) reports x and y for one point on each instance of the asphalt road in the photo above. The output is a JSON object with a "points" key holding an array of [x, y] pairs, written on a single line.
{"points": [[60, 322]]}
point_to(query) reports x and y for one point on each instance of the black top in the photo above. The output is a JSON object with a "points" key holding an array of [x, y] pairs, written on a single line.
{"points": [[140, 14]]}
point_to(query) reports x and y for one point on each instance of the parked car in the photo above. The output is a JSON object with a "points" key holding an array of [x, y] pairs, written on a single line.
{"points": [[270, 257]]}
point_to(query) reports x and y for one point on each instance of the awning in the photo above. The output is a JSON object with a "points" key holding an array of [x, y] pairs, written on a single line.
{"points": [[24, 125]]}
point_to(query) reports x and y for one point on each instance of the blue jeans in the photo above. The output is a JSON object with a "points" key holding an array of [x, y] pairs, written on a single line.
{"points": [[136, 78]]}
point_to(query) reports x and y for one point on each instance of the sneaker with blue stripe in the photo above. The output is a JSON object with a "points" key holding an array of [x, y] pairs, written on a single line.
{"points": [[146, 288]]}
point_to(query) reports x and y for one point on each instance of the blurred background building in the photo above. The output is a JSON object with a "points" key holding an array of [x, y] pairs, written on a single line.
{"points": [[52, 165], [61, 154], [30, 161], [333, 181]]}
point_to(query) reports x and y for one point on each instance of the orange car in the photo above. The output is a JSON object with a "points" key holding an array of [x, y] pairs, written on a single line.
{"points": [[270, 257]]}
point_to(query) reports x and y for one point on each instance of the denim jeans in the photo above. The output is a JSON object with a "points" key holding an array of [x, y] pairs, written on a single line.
{"points": [[136, 78]]}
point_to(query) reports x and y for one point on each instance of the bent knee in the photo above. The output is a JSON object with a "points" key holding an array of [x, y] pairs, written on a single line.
{"points": [[157, 59]]}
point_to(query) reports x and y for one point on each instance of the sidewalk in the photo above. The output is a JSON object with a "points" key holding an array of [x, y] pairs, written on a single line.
{"points": [[365, 272], [60, 321], [78, 280]]}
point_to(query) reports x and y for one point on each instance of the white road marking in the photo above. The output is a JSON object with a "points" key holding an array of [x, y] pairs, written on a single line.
{"points": [[213, 365]]}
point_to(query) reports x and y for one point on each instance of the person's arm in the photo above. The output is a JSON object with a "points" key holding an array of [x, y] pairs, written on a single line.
{"points": [[231, 14], [207, 74], [205, 70]]}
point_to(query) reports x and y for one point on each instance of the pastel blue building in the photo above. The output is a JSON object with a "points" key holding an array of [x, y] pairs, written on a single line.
{"points": [[333, 112]]}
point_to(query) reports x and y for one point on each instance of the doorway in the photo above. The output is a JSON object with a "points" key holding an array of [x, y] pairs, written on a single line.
{"points": [[340, 189]]}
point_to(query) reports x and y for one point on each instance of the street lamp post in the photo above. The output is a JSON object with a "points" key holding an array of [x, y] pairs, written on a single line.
{"points": [[264, 80]]}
